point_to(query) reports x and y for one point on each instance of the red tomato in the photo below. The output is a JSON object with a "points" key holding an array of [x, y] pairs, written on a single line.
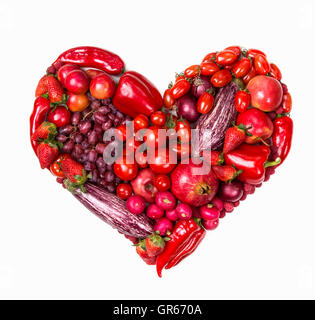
{"points": [[209, 68], [64, 71], [261, 64], [77, 102], [192, 71], [160, 163], [221, 78], [226, 57], [102, 86], [252, 53], [125, 171], [205, 103], [141, 121], [141, 159], [162, 182], [151, 137], [275, 72], [241, 67], [209, 57], [77, 81], [287, 103], [182, 150], [55, 167], [171, 121], [132, 143], [180, 88], [183, 131], [250, 75], [236, 49], [124, 191], [242, 101], [158, 118], [168, 100], [60, 116], [121, 132]]}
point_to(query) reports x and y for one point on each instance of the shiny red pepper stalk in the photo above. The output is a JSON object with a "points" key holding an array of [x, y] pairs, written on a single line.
{"points": [[93, 57], [40, 110], [178, 245], [282, 137], [135, 94]]}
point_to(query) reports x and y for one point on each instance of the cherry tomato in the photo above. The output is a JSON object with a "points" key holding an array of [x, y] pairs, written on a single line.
{"points": [[141, 159], [125, 171], [162, 182], [60, 116], [226, 57], [141, 121], [158, 118], [183, 131], [236, 49], [77, 81], [242, 101], [152, 139], [168, 100], [132, 143], [182, 150], [77, 102], [102, 86], [124, 191], [252, 53], [55, 167], [250, 75], [160, 163], [192, 71], [209, 57], [261, 64], [171, 121], [221, 78], [241, 67], [121, 132], [180, 77], [180, 88], [287, 102], [275, 72], [209, 68], [205, 103]]}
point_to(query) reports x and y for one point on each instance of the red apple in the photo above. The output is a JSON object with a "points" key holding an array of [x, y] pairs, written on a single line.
{"points": [[77, 81], [261, 127], [143, 185], [64, 71], [266, 93], [191, 186]]}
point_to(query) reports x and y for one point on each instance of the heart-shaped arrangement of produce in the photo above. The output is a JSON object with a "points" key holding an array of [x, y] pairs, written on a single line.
{"points": [[162, 170]]}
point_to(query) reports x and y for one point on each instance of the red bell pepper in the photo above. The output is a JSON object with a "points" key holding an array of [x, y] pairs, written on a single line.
{"points": [[135, 94], [282, 137], [40, 110], [93, 57], [252, 160]]}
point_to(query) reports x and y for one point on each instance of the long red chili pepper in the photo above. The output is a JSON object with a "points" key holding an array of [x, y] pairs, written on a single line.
{"points": [[41, 107], [282, 137], [182, 232], [188, 249], [93, 57]]}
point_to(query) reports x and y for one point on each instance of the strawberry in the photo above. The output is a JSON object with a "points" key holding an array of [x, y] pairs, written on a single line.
{"points": [[226, 173], [47, 153], [234, 137], [213, 157], [47, 130], [142, 252], [42, 86], [154, 245], [55, 90]]}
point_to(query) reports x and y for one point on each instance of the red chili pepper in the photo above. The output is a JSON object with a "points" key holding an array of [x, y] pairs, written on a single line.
{"points": [[188, 249], [41, 107], [182, 232], [252, 160], [282, 137], [93, 57], [135, 94]]}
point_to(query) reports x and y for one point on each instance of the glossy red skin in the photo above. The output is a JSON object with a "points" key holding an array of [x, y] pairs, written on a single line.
{"points": [[282, 137], [266, 93], [93, 57], [250, 159], [136, 94], [235, 49], [55, 168], [40, 110], [141, 121], [151, 137], [180, 88], [160, 163], [260, 124], [168, 100], [250, 75], [226, 57], [93, 73], [102, 86], [124, 191], [241, 67], [190, 188], [183, 131], [77, 81], [77, 102], [158, 118], [242, 101], [205, 103], [64, 71], [208, 68], [287, 103], [60, 116], [125, 171], [209, 57], [252, 53], [192, 71], [183, 150], [162, 182], [221, 78], [261, 64], [275, 72]]}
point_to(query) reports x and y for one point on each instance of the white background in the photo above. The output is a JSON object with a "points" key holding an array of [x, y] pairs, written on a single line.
{"points": [[52, 247]]}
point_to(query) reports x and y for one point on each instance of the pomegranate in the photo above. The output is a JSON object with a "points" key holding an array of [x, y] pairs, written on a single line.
{"points": [[190, 187]]}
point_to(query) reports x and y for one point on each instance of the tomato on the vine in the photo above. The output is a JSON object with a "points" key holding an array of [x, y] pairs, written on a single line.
{"points": [[205, 102], [241, 67], [162, 182], [275, 72], [141, 121], [261, 64], [171, 121], [124, 191], [192, 71], [125, 171], [242, 101], [183, 131], [168, 100], [226, 57], [180, 88], [287, 102], [221, 78], [158, 118], [209, 68]]}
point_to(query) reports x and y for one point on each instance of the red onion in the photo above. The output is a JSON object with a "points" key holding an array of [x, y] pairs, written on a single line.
{"points": [[187, 108], [200, 85], [231, 191]]}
